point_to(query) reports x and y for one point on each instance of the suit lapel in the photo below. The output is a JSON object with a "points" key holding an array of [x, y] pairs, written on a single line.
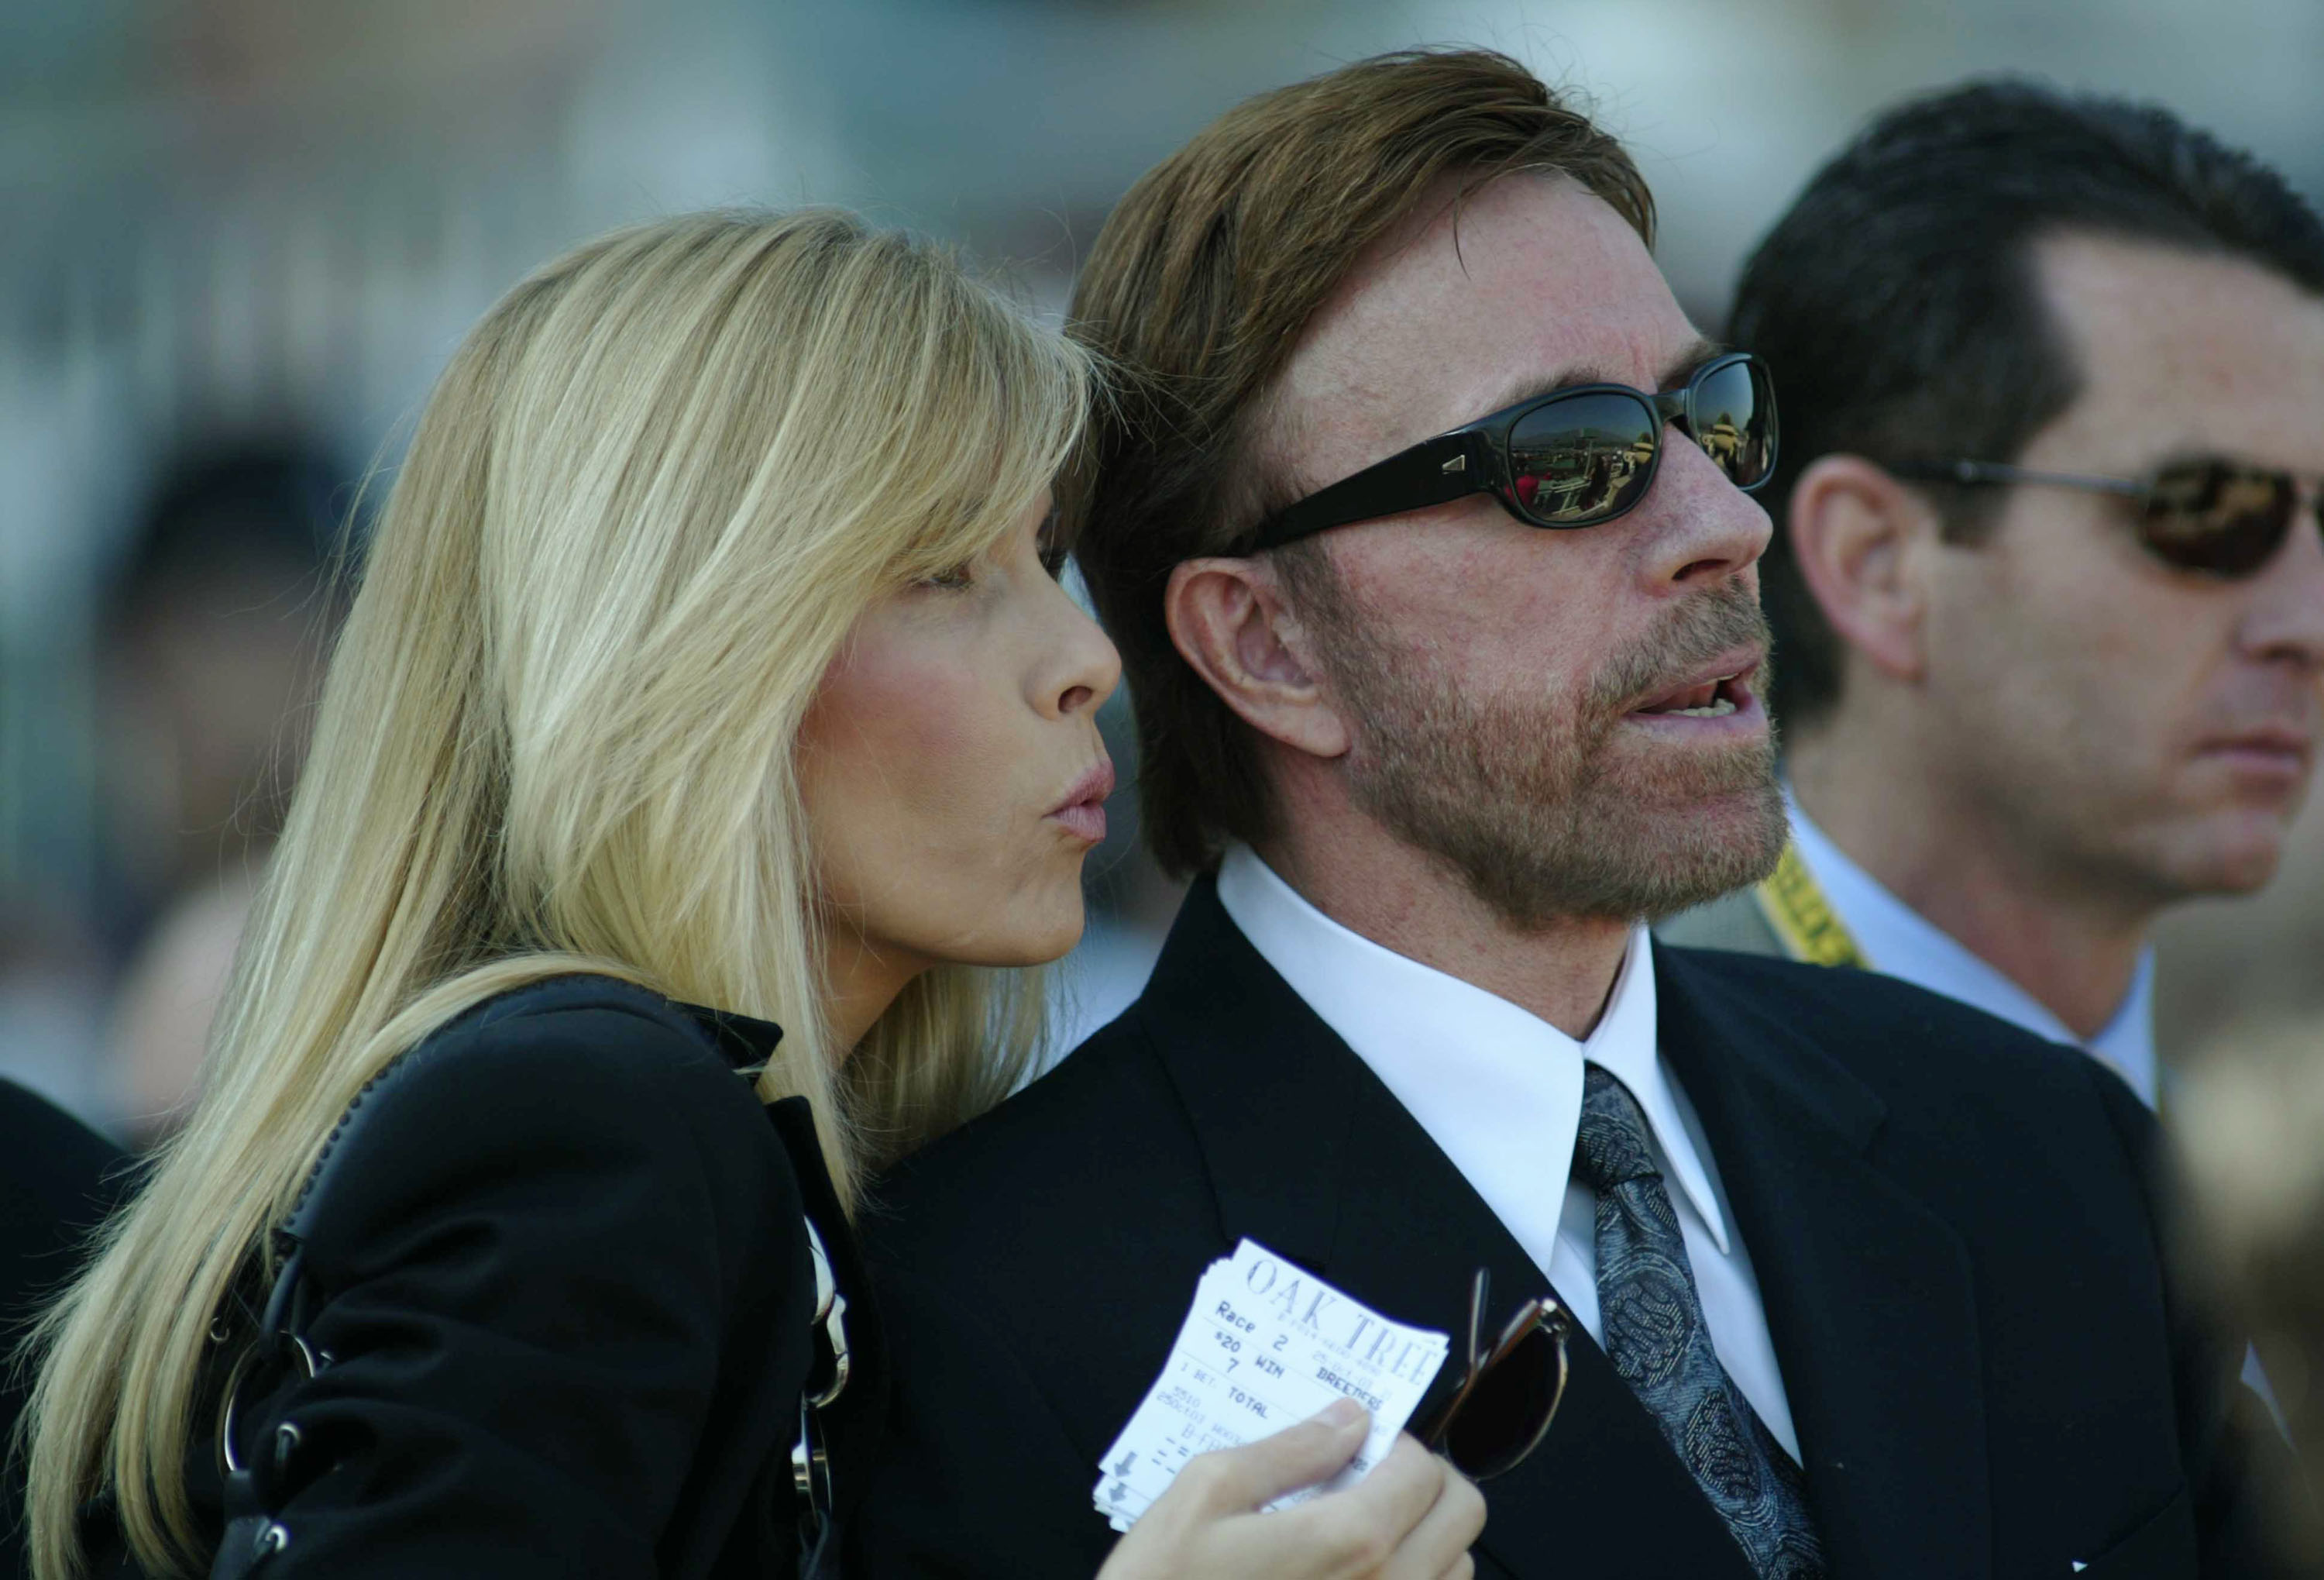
{"points": [[1311, 1156], [1868, 1294]]}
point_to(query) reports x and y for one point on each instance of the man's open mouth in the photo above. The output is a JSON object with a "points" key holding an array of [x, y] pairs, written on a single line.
{"points": [[1714, 697]]}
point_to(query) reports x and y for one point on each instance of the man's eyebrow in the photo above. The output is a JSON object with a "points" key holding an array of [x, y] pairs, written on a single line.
{"points": [[1673, 373]]}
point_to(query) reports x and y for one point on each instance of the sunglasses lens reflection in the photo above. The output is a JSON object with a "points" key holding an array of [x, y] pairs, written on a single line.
{"points": [[1584, 459], [1733, 416], [2226, 520], [1507, 1411]]}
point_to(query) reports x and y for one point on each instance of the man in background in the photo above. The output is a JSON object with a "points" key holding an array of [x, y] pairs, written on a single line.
{"points": [[2048, 589], [208, 639], [214, 633]]}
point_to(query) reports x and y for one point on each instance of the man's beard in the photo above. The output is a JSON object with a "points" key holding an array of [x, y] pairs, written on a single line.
{"points": [[1525, 797]]}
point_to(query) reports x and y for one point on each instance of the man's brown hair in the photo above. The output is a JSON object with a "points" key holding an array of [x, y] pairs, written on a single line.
{"points": [[1198, 289]]}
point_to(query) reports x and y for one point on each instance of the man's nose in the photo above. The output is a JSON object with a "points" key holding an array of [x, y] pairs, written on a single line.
{"points": [[2284, 621], [1710, 529]]}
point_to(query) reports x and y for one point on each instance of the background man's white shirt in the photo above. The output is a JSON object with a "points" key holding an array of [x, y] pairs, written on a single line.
{"points": [[1499, 1090], [1899, 942]]}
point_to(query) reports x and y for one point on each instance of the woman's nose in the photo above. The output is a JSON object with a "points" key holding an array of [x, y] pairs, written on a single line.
{"points": [[1090, 665]]}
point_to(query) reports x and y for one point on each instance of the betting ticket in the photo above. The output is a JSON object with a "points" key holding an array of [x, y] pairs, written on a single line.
{"points": [[1265, 1346]]}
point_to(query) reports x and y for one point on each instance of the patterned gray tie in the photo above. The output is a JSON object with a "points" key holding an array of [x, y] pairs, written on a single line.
{"points": [[1656, 1338]]}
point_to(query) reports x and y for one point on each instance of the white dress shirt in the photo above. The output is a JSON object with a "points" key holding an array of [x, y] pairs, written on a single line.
{"points": [[1899, 941], [1499, 1090]]}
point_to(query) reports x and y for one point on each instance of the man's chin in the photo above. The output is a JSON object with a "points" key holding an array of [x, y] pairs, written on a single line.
{"points": [[1702, 794], [1750, 822], [2238, 854], [1642, 853], [1707, 844]]}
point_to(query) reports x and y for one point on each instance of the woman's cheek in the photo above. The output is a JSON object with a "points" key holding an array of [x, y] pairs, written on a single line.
{"points": [[928, 730]]}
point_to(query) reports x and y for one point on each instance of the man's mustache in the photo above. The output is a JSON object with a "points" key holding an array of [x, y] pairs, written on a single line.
{"points": [[1688, 637]]}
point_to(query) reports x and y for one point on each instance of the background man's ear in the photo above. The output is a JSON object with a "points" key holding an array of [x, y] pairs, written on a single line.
{"points": [[1229, 620], [1862, 542]]}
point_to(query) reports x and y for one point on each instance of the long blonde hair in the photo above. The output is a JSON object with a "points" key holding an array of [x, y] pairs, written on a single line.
{"points": [[650, 496]]}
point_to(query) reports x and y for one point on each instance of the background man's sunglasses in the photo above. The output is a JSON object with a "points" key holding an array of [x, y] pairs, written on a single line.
{"points": [[2218, 517], [1574, 457], [1510, 1395]]}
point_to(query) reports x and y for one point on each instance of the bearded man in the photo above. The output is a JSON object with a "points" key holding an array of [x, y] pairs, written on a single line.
{"points": [[1426, 536]]}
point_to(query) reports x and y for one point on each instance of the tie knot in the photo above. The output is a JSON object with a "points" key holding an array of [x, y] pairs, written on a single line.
{"points": [[1611, 1149]]}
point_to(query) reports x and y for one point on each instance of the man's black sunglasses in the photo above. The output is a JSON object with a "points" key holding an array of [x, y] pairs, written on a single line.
{"points": [[2222, 518], [1573, 457]]}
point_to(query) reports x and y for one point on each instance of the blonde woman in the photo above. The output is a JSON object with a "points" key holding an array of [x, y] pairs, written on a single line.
{"points": [[707, 675]]}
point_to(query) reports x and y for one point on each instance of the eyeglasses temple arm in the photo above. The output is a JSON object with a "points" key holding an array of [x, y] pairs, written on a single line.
{"points": [[1972, 472], [1431, 472], [1431, 1431], [1479, 1293]]}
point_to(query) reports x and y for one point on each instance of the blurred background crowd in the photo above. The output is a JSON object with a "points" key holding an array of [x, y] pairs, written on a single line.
{"points": [[243, 235]]}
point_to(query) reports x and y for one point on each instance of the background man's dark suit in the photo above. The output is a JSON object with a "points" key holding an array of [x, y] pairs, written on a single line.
{"points": [[1949, 1220]]}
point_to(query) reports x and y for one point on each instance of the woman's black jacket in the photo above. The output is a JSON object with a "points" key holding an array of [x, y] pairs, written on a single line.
{"points": [[561, 1273]]}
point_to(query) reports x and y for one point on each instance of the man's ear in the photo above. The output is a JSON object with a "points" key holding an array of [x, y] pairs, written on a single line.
{"points": [[1228, 619], [1861, 540]]}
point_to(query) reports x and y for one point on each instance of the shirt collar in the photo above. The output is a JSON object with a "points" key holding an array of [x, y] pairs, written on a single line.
{"points": [[746, 1043], [1497, 1088], [1899, 941]]}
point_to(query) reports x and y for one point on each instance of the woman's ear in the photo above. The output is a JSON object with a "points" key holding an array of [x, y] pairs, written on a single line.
{"points": [[1861, 540], [1229, 621]]}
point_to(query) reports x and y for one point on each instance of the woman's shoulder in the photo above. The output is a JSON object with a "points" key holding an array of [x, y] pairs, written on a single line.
{"points": [[549, 1093], [584, 1016], [563, 1218], [567, 1047]]}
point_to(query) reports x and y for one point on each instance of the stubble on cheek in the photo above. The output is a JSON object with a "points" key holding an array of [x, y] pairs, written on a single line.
{"points": [[1539, 802]]}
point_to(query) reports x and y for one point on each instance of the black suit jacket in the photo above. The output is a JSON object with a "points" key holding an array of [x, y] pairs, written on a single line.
{"points": [[1950, 1223], [558, 1264]]}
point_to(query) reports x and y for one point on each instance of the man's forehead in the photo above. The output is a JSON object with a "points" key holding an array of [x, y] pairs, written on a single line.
{"points": [[2181, 350], [1534, 283]]}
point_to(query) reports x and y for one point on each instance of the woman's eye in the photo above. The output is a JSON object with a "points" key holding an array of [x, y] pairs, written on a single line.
{"points": [[958, 577]]}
